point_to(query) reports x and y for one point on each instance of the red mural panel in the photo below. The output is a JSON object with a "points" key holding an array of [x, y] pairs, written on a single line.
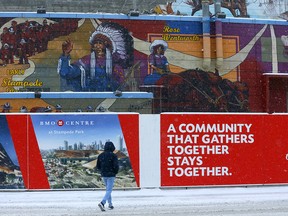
{"points": [[131, 135], [61, 151], [216, 149], [28, 153]]}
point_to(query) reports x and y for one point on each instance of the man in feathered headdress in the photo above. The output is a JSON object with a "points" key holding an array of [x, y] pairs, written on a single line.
{"points": [[103, 68]]}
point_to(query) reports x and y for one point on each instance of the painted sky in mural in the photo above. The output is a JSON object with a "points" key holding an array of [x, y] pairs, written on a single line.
{"points": [[263, 9]]}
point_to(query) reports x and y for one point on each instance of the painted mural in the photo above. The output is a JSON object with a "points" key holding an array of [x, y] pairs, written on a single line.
{"points": [[189, 65]]}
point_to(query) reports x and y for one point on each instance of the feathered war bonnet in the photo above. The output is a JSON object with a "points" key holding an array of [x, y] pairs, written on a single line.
{"points": [[117, 39]]}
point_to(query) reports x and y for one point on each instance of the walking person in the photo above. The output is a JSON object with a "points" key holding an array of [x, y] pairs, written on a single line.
{"points": [[108, 165]]}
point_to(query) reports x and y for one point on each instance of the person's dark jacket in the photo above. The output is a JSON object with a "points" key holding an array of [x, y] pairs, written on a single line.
{"points": [[107, 161]]}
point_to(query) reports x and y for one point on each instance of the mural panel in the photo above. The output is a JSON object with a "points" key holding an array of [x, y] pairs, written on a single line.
{"points": [[222, 149], [188, 65], [61, 151], [261, 9]]}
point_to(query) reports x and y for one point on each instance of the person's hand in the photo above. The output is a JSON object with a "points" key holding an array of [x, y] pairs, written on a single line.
{"points": [[67, 46]]}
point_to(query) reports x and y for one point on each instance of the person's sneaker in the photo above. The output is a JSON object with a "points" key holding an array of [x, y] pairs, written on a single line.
{"points": [[111, 207], [101, 206]]}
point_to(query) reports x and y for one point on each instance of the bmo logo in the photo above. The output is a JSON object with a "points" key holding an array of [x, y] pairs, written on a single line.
{"points": [[60, 123]]}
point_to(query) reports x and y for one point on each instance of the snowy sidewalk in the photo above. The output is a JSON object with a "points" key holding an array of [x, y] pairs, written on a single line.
{"points": [[248, 201]]}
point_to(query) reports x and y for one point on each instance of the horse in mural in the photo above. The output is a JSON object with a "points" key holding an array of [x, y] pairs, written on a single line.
{"points": [[196, 90], [238, 8]]}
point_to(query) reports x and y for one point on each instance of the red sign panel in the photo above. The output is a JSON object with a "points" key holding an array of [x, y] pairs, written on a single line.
{"points": [[222, 149], [49, 151]]}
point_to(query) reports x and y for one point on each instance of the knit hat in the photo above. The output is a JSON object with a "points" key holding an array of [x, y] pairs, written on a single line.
{"points": [[6, 106], [58, 107], [23, 109]]}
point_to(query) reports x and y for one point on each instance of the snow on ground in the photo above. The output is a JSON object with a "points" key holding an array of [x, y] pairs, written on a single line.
{"points": [[216, 201]]}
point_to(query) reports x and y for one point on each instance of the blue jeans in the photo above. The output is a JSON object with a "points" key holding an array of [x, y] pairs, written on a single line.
{"points": [[109, 183]]}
